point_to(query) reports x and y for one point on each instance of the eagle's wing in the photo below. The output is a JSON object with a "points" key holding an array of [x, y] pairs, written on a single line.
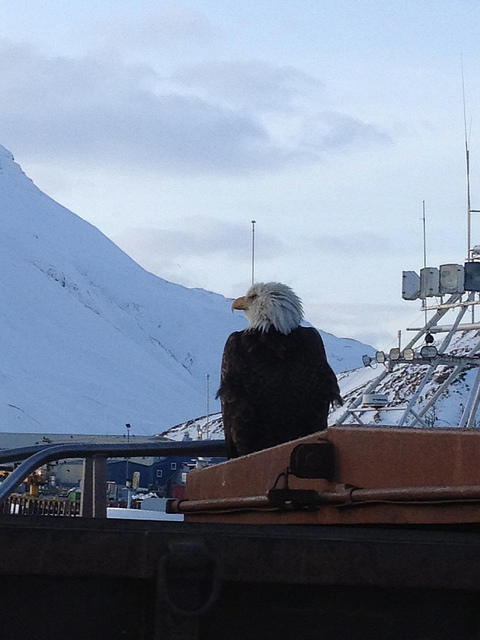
{"points": [[237, 412], [322, 379]]}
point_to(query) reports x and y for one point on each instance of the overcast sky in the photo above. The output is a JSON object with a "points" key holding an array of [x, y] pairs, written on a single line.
{"points": [[172, 125]]}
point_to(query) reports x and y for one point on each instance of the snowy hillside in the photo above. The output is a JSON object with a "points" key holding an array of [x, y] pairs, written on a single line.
{"points": [[89, 339], [201, 428]]}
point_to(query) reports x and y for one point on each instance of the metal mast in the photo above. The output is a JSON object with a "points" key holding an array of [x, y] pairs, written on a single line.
{"points": [[253, 250], [467, 167]]}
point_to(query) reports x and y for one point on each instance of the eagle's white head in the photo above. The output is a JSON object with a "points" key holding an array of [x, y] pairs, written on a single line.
{"points": [[271, 305]]}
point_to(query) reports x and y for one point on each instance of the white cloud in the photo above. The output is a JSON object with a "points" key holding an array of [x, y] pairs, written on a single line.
{"points": [[153, 27], [251, 84], [344, 131], [106, 111], [110, 112], [360, 243]]}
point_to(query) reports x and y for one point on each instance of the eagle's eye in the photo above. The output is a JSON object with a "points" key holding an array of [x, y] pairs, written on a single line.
{"points": [[252, 296]]}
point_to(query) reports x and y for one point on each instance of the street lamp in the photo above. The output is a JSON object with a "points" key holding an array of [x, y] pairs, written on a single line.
{"points": [[128, 482]]}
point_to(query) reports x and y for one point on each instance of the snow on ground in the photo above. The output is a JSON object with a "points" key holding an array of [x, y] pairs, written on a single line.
{"points": [[142, 514]]}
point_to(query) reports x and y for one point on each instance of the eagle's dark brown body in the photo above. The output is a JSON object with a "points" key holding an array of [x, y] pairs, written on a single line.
{"points": [[274, 387]]}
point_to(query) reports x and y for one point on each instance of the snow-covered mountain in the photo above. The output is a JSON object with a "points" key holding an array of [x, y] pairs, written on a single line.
{"points": [[90, 340]]}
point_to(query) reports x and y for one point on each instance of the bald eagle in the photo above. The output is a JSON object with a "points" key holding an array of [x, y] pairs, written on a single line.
{"points": [[276, 384]]}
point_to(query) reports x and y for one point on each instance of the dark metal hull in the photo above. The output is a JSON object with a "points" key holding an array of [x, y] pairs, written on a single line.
{"points": [[86, 578]]}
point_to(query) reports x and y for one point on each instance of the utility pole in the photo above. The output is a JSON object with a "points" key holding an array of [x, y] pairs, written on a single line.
{"points": [[207, 391], [253, 251]]}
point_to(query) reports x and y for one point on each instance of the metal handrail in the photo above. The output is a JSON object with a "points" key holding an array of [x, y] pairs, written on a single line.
{"points": [[36, 456]]}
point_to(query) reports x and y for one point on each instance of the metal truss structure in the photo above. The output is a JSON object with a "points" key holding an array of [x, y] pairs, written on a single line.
{"points": [[414, 413]]}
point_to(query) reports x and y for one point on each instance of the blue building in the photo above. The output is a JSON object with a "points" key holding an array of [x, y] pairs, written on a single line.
{"points": [[155, 474]]}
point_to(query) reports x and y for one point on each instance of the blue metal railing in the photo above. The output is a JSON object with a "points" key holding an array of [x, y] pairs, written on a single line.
{"points": [[38, 455]]}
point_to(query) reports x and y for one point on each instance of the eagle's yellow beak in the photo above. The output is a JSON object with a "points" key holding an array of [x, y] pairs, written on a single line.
{"points": [[240, 303]]}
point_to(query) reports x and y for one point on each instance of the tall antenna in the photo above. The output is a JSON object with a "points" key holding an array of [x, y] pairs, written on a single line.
{"points": [[424, 302], [467, 164], [253, 250], [424, 235]]}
